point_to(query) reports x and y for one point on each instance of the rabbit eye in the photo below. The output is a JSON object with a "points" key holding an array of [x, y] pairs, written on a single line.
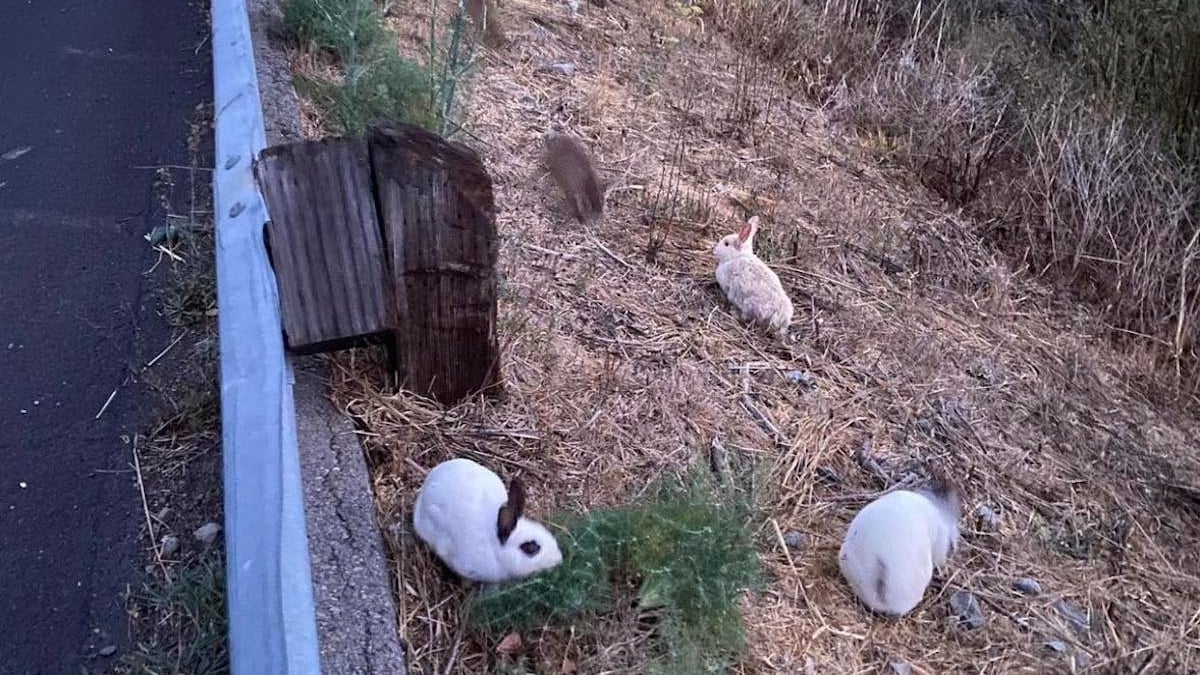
{"points": [[530, 548]]}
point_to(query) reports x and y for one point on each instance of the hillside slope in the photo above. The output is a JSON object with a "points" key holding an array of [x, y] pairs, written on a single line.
{"points": [[914, 345]]}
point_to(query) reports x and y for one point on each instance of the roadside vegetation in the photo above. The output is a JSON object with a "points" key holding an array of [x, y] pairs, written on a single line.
{"points": [[357, 77], [190, 636], [682, 554], [178, 615]]}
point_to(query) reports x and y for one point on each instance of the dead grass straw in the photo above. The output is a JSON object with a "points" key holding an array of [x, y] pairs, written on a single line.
{"points": [[912, 339]]}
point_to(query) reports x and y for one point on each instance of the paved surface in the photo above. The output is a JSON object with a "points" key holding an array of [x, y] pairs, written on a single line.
{"points": [[356, 617], [91, 89]]}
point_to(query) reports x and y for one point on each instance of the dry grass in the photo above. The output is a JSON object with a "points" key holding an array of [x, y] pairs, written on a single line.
{"points": [[177, 617], [1117, 218], [1060, 122], [926, 349]]}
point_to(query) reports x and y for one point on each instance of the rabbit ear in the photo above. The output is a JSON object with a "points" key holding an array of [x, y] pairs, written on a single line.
{"points": [[510, 511], [748, 230], [753, 225]]}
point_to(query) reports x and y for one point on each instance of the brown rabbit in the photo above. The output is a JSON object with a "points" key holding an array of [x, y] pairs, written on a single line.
{"points": [[571, 166]]}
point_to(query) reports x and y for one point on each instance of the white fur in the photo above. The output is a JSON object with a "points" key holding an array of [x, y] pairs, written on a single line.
{"points": [[752, 287], [455, 514], [894, 544]]}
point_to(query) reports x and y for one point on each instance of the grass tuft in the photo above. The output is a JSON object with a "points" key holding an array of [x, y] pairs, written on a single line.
{"points": [[379, 85], [451, 61], [387, 88], [194, 605], [347, 28], [685, 553]]}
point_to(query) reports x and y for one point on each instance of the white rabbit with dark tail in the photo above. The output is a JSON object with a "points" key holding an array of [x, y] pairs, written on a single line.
{"points": [[474, 525], [894, 544], [752, 287]]}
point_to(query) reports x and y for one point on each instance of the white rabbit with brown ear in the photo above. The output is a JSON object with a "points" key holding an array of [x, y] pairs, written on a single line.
{"points": [[894, 544], [464, 513], [752, 287]]}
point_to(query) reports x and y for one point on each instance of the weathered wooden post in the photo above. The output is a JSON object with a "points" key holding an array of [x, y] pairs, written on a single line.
{"points": [[393, 239], [325, 244], [436, 208]]}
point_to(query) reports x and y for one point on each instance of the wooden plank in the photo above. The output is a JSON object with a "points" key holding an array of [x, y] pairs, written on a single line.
{"points": [[438, 217], [325, 243]]}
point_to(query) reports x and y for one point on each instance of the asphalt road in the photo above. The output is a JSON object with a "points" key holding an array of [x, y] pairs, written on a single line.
{"points": [[89, 90]]}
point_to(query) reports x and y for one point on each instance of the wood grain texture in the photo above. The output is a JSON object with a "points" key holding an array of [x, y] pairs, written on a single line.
{"points": [[325, 243], [437, 212]]}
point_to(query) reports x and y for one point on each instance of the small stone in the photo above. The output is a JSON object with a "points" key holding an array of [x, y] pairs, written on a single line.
{"points": [[966, 608], [802, 378], [168, 545], [206, 534], [511, 644], [564, 69], [900, 667], [108, 651], [983, 370], [989, 521], [1027, 586], [162, 514], [795, 540], [1057, 646], [1078, 619], [1082, 659]]}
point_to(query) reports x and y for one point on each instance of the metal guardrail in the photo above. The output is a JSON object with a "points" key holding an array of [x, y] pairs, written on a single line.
{"points": [[272, 622]]}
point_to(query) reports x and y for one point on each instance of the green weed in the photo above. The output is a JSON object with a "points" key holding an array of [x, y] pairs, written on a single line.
{"points": [[347, 28], [378, 85], [685, 550], [194, 604], [387, 88]]}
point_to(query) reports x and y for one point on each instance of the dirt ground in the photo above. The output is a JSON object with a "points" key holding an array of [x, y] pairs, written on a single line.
{"points": [[914, 345]]}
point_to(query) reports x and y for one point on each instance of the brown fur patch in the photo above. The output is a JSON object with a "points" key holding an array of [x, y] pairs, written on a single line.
{"points": [[570, 165], [881, 585]]}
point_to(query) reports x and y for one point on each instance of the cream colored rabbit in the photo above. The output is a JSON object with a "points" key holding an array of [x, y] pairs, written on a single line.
{"points": [[751, 286]]}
